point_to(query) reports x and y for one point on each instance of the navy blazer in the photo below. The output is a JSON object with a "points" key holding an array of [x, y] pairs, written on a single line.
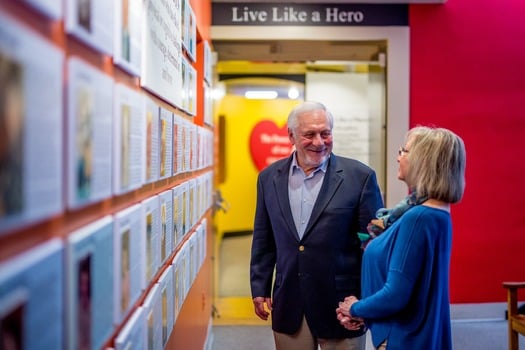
{"points": [[315, 273]]}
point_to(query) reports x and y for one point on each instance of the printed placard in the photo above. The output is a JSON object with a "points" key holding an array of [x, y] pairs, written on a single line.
{"points": [[32, 308], [128, 35], [31, 123], [128, 135], [89, 282], [128, 260], [92, 22], [90, 123]]}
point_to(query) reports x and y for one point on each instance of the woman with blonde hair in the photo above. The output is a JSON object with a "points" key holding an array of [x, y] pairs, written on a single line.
{"points": [[405, 271]]}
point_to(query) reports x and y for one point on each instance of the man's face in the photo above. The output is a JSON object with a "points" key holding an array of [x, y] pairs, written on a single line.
{"points": [[312, 139]]}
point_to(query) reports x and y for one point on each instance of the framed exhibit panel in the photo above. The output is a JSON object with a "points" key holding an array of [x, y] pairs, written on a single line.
{"points": [[90, 121], [26, 296], [166, 224], [128, 139], [153, 318], [89, 282], [151, 237], [151, 139], [31, 124], [91, 21], [162, 50], [128, 260], [133, 335], [128, 35]]}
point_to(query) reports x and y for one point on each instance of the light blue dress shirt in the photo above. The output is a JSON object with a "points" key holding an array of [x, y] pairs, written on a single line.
{"points": [[303, 191]]}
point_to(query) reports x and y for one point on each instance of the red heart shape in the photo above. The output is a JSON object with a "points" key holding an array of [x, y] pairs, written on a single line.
{"points": [[269, 143]]}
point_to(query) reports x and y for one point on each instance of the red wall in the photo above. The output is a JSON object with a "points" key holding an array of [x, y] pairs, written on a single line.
{"points": [[467, 73]]}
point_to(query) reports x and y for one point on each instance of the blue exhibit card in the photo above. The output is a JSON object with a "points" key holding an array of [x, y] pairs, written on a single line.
{"points": [[89, 285], [153, 318], [178, 232], [32, 298], [133, 335], [166, 224], [128, 260], [166, 295], [151, 237]]}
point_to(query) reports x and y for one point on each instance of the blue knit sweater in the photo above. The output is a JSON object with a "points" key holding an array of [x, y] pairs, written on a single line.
{"points": [[405, 282]]}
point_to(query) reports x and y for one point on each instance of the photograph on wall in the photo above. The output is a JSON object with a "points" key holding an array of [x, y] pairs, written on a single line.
{"points": [[128, 260], [89, 115], [187, 139], [184, 76], [192, 203], [12, 323], [89, 282], [189, 30], [31, 124], [84, 303], [185, 268], [203, 241], [176, 155], [133, 335], [183, 126], [128, 139], [162, 50], [153, 313], [124, 274], [208, 64], [12, 142], [91, 21], [177, 215], [151, 237], [192, 147], [151, 149], [186, 226], [26, 295], [166, 293], [177, 302], [166, 143], [191, 89], [128, 35], [192, 242], [166, 213]]}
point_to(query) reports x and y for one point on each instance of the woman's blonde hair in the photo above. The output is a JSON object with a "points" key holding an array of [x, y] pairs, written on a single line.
{"points": [[436, 168]]}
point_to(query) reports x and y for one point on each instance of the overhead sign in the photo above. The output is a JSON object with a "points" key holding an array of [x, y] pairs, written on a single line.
{"points": [[297, 14]]}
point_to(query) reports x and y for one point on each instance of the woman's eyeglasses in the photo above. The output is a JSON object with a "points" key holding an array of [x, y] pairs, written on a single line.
{"points": [[402, 151]]}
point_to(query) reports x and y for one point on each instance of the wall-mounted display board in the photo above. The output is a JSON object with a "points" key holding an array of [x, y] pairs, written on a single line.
{"points": [[93, 144]]}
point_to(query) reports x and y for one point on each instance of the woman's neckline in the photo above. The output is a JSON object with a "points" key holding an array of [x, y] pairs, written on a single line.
{"points": [[437, 204]]}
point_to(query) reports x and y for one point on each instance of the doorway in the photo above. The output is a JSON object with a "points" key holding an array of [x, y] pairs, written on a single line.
{"points": [[284, 59]]}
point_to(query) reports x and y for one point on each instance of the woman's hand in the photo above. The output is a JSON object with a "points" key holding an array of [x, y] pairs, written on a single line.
{"points": [[345, 318]]}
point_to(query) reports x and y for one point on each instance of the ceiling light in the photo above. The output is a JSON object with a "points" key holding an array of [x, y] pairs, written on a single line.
{"points": [[261, 94], [293, 93]]}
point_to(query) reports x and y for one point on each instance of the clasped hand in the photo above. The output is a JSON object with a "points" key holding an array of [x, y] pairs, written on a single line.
{"points": [[344, 316]]}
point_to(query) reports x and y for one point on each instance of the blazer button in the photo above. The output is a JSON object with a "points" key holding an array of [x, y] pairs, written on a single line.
{"points": [[301, 248]]}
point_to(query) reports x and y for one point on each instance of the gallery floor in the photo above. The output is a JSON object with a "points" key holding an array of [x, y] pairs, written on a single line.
{"points": [[474, 326]]}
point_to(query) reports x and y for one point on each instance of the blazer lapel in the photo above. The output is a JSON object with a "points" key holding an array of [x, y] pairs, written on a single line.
{"points": [[280, 181]]}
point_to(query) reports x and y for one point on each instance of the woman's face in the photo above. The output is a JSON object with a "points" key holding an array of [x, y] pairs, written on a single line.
{"points": [[402, 159]]}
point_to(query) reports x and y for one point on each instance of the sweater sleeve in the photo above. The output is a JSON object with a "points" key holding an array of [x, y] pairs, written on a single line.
{"points": [[409, 254]]}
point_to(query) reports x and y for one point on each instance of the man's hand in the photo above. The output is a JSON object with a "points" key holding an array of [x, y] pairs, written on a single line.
{"points": [[260, 310]]}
